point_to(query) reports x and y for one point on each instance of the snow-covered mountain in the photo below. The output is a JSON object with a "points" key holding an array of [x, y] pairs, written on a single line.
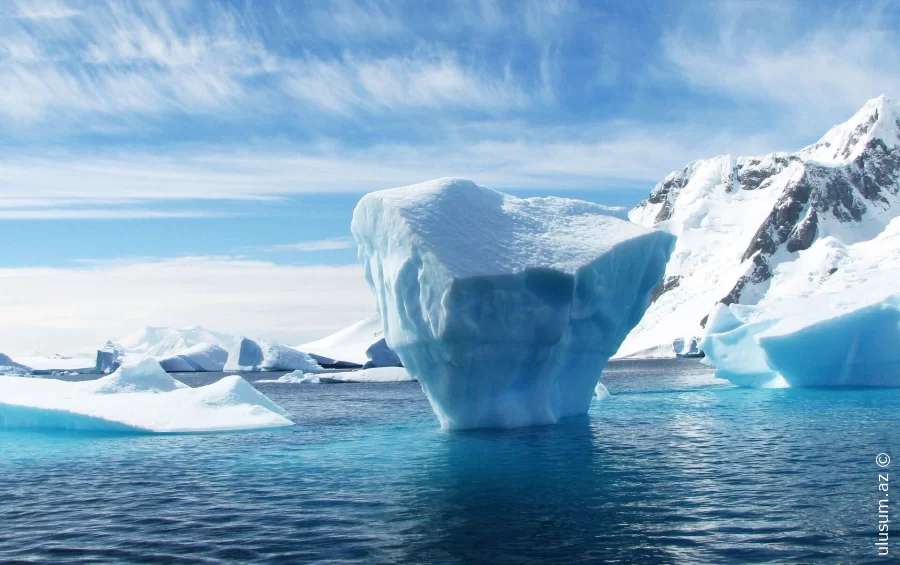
{"points": [[738, 220], [165, 342]]}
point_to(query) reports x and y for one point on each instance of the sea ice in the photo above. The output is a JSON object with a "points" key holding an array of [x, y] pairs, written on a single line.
{"points": [[505, 309], [201, 357], [138, 397], [248, 355]]}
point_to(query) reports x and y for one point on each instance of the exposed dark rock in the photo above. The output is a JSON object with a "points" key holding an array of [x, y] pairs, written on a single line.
{"points": [[664, 286]]}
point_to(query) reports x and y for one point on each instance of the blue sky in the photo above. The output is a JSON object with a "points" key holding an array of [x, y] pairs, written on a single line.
{"points": [[241, 133]]}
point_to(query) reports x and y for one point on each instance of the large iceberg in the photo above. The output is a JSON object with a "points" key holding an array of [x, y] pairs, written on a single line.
{"points": [[200, 357], [138, 397], [505, 309], [10, 367], [830, 318], [250, 356]]}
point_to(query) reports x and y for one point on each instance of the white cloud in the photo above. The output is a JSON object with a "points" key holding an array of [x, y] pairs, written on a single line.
{"points": [[74, 309], [330, 244], [425, 80], [820, 75]]}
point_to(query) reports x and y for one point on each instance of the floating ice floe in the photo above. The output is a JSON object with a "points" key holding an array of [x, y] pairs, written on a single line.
{"points": [[373, 375], [203, 357], [505, 309], [600, 392], [830, 318], [139, 397], [249, 356], [297, 377]]}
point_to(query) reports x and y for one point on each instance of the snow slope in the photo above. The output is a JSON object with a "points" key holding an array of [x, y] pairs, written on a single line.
{"points": [[139, 397], [830, 318], [738, 219], [505, 309], [348, 345]]}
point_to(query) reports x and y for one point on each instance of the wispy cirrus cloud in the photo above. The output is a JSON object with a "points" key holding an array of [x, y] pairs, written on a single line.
{"points": [[768, 53]]}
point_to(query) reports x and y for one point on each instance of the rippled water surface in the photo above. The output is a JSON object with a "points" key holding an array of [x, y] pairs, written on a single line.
{"points": [[676, 467]]}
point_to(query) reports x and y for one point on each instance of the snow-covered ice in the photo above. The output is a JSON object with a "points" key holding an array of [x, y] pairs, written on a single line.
{"points": [[162, 342], [10, 367], [374, 375], [349, 345], [505, 309], [248, 355], [830, 318], [201, 357], [738, 219], [296, 377], [139, 397]]}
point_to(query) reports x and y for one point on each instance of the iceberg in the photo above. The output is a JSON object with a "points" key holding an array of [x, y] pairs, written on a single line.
{"points": [[249, 356], [830, 318], [380, 355], [138, 397], [506, 310], [108, 358], [373, 375], [201, 357], [296, 377], [10, 367]]}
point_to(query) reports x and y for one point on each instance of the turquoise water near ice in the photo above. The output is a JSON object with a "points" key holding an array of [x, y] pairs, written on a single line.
{"points": [[676, 467]]}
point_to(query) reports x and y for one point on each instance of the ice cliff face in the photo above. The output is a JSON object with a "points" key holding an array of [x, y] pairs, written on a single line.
{"points": [[738, 220], [505, 309]]}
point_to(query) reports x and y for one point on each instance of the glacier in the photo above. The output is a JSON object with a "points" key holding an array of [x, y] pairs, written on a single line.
{"points": [[203, 357], [830, 318], [506, 310], [138, 397], [250, 356]]}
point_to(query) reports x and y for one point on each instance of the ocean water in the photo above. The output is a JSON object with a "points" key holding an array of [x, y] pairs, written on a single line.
{"points": [[676, 467]]}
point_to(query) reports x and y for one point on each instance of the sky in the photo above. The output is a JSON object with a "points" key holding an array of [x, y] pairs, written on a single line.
{"points": [[187, 162]]}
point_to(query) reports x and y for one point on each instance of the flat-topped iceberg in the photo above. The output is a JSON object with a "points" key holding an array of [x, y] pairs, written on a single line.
{"points": [[248, 355], [505, 309], [139, 397], [204, 357]]}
